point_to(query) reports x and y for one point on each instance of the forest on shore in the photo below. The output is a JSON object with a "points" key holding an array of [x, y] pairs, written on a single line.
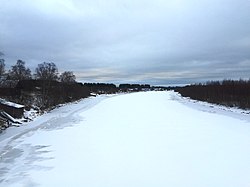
{"points": [[231, 93]]}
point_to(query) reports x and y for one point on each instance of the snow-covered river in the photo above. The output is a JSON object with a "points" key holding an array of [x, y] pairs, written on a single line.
{"points": [[147, 139]]}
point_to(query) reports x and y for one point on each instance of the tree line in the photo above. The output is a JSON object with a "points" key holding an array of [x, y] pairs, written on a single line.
{"points": [[43, 89], [44, 71], [102, 88], [233, 93], [134, 87]]}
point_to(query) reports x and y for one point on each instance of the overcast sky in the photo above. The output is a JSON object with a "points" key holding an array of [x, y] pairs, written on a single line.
{"points": [[136, 41]]}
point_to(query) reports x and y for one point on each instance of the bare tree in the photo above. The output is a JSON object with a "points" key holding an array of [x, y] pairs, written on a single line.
{"points": [[46, 71], [2, 65], [67, 77], [48, 74], [19, 71]]}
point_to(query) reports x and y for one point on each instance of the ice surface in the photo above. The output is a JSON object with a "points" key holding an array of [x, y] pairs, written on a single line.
{"points": [[148, 139]]}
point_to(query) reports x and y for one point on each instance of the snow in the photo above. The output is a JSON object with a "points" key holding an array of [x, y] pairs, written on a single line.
{"points": [[9, 117], [15, 105], [142, 139]]}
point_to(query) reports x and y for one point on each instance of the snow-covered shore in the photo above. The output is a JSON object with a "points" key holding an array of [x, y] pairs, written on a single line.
{"points": [[141, 139]]}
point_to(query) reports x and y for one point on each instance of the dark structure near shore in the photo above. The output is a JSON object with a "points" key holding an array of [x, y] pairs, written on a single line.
{"points": [[13, 109]]}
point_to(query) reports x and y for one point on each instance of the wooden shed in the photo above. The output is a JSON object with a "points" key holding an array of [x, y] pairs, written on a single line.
{"points": [[13, 109]]}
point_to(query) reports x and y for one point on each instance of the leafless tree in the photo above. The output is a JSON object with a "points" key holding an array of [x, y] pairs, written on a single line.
{"points": [[19, 71], [46, 71], [2, 65], [67, 77]]}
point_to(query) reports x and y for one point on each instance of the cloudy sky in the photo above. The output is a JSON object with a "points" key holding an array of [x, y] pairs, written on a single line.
{"points": [[137, 41]]}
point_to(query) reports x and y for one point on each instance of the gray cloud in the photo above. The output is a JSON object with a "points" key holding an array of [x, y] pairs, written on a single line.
{"points": [[160, 42]]}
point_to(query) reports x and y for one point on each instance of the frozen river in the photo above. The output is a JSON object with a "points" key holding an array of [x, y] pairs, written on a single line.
{"points": [[147, 139]]}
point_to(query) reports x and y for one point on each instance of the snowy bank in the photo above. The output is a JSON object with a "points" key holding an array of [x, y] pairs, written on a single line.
{"points": [[141, 139]]}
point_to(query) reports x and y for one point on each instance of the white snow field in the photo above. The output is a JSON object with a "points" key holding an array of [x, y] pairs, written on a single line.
{"points": [[147, 139]]}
